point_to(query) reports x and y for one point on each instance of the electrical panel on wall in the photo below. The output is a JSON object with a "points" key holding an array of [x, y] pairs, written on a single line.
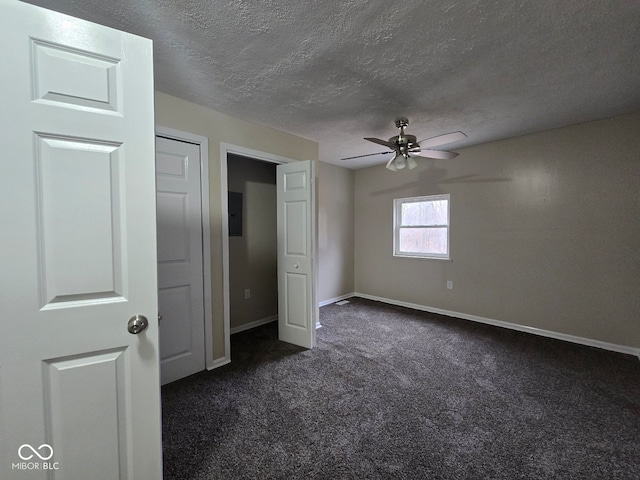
{"points": [[235, 214]]}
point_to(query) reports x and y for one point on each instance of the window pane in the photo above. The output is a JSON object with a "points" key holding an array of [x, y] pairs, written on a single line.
{"points": [[433, 212], [423, 240]]}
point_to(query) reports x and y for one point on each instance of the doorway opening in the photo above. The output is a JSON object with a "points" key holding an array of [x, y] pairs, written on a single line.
{"points": [[253, 242], [227, 154]]}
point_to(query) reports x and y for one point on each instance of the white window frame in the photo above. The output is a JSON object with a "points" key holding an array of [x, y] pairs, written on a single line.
{"points": [[397, 215]]}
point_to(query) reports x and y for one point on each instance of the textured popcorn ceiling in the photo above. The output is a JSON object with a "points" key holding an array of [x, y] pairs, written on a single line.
{"points": [[337, 71]]}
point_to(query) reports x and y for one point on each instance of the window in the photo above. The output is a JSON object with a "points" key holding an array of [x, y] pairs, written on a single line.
{"points": [[421, 227]]}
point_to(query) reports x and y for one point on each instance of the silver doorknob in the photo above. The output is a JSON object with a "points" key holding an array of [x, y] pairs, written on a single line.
{"points": [[137, 324], [296, 265]]}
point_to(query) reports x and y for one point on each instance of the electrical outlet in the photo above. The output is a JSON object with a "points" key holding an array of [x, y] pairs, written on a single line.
{"points": [[450, 284], [247, 293]]}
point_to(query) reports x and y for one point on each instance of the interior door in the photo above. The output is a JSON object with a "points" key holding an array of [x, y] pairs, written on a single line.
{"points": [[180, 277], [297, 306], [79, 392]]}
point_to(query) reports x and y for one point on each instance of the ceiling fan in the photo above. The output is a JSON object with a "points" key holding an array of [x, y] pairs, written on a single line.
{"points": [[406, 147]]}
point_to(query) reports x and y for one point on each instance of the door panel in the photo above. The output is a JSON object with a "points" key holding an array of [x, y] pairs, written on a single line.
{"points": [[180, 268], [173, 232], [297, 301], [297, 309], [78, 257], [57, 69], [94, 167], [103, 375]]}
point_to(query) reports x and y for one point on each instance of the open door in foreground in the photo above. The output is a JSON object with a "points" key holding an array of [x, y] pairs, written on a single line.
{"points": [[297, 306], [79, 380]]}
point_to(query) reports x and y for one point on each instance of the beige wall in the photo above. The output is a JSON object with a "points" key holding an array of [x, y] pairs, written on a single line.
{"points": [[175, 113], [335, 231], [253, 257], [544, 231]]}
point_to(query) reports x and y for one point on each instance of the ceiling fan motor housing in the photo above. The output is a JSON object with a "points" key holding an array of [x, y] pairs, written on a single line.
{"points": [[404, 142]]}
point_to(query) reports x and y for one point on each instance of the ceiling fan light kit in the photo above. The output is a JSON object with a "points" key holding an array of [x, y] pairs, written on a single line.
{"points": [[400, 161], [406, 147]]}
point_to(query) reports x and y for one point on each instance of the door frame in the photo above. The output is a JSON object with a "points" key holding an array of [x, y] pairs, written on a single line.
{"points": [[225, 150], [203, 143]]}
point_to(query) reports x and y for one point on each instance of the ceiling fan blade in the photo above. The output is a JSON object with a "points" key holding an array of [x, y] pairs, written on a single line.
{"points": [[392, 146], [441, 139], [439, 154], [366, 155]]}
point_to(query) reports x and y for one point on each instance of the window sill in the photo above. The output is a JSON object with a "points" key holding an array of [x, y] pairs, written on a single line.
{"points": [[422, 257]]}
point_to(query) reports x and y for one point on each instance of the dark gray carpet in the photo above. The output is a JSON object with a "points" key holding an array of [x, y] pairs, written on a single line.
{"points": [[394, 393]]}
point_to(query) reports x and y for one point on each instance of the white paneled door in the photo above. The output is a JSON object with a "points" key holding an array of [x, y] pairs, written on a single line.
{"points": [[180, 276], [79, 361], [297, 306]]}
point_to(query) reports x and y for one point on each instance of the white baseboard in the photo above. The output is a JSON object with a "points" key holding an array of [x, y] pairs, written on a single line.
{"points": [[336, 299], [250, 325], [512, 326], [257, 323]]}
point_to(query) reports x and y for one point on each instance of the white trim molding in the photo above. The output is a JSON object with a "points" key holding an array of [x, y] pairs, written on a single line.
{"points": [[254, 324], [512, 326], [203, 143], [218, 362], [398, 226], [336, 299], [225, 150]]}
